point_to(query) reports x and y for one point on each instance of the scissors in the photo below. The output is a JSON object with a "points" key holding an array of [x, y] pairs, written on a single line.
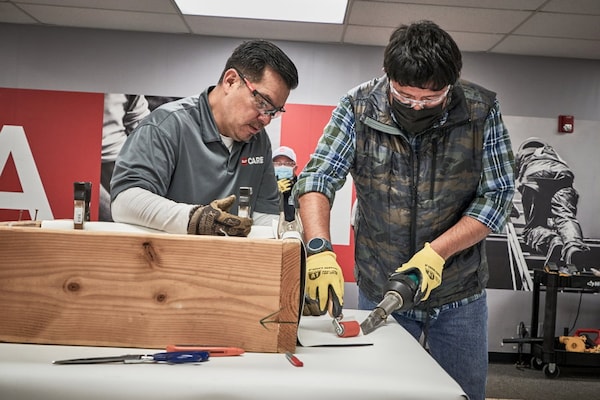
{"points": [[171, 357]]}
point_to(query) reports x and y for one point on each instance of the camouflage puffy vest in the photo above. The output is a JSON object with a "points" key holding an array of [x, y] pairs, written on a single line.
{"points": [[412, 188]]}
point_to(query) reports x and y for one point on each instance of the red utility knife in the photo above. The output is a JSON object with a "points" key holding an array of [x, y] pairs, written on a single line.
{"points": [[214, 351]]}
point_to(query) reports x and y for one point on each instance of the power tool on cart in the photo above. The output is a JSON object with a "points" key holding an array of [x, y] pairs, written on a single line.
{"points": [[582, 341], [401, 293]]}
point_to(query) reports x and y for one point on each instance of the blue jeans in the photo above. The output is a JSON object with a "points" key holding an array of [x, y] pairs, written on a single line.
{"points": [[456, 339]]}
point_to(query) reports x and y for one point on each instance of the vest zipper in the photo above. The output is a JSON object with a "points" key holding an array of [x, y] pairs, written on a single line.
{"points": [[433, 167], [414, 155]]}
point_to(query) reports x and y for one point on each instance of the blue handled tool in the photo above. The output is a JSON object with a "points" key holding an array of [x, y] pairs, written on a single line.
{"points": [[171, 357]]}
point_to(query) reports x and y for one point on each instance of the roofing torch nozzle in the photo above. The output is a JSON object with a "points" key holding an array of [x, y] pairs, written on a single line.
{"points": [[401, 293]]}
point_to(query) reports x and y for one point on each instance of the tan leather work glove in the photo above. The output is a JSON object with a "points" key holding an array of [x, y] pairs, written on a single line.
{"points": [[215, 219], [324, 285], [428, 265], [284, 185]]}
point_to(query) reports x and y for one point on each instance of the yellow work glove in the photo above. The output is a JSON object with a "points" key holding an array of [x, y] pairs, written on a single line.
{"points": [[428, 265], [284, 185], [324, 285], [215, 219]]}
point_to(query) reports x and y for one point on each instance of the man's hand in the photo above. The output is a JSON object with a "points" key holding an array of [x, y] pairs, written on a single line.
{"points": [[215, 219], [324, 285], [284, 185], [428, 264]]}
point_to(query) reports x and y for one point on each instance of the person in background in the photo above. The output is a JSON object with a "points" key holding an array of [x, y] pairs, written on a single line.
{"points": [[122, 113], [180, 170], [433, 170], [549, 200], [284, 161]]}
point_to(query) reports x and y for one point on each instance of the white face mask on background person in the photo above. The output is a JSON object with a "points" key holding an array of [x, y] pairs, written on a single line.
{"points": [[284, 172]]}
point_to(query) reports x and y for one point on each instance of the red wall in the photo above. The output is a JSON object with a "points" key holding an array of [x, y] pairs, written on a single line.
{"points": [[64, 132]]}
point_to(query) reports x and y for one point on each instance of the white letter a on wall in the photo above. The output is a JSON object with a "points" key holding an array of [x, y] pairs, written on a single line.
{"points": [[33, 197]]}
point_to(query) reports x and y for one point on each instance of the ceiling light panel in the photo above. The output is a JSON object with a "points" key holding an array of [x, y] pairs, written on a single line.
{"points": [[319, 11]]}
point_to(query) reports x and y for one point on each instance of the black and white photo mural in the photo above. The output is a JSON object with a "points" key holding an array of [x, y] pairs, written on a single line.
{"points": [[554, 221]]}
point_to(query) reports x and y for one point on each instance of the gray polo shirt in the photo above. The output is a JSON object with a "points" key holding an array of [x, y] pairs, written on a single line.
{"points": [[177, 152]]}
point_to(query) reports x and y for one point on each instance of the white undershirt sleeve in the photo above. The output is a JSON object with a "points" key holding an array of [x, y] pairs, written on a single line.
{"points": [[264, 219], [139, 206]]}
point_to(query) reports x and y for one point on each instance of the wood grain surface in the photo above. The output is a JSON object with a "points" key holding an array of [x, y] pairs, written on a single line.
{"points": [[148, 290]]}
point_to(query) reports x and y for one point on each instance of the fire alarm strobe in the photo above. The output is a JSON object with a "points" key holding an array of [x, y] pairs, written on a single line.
{"points": [[566, 123]]}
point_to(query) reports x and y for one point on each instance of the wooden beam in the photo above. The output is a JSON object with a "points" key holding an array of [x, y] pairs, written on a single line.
{"points": [[148, 290]]}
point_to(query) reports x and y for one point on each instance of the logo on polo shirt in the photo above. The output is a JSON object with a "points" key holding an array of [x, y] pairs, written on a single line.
{"points": [[253, 160]]}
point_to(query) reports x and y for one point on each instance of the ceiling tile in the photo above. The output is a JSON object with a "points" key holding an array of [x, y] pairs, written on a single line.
{"points": [[587, 7], [566, 26], [106, 19], [476, 42], [163, 6], [372, 36], [503, 4], [449, 18], [10, 13], [367, 35], [534, 46]]}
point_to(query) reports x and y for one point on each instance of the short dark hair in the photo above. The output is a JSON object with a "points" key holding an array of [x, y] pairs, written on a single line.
{"points": [[422, 55], [252, 57]]}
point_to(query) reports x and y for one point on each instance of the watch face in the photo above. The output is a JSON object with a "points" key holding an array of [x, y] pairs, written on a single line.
{"points": [[318, 245]]}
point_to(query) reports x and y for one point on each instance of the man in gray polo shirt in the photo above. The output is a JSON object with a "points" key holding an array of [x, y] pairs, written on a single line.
{"points": [[181, 170]]}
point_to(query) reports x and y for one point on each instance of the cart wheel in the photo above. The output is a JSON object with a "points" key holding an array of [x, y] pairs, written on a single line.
{"points": [[551, 371], [536, 363]]}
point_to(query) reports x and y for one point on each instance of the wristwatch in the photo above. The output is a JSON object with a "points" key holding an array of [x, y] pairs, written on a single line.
{"points": [[318, 245]]}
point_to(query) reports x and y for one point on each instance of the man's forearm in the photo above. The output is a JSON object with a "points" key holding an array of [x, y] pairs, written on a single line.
{"points": [[464, 234], [315, 215]]}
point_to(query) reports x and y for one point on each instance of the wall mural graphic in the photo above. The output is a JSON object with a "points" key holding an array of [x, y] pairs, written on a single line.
{"points": [[50, 139], [544, 229], [549, 205]]}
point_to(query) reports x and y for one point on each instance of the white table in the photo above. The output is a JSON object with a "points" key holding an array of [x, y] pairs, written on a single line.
{"points": [[394, 367]]}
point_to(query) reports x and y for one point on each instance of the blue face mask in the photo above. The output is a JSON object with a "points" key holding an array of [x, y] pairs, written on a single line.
{"points": [[283, 172]]}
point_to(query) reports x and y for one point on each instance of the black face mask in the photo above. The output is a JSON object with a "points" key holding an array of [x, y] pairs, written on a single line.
{"points": [[415, 121]]}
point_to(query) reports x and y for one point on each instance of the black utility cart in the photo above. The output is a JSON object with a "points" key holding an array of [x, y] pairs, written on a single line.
{"points": [[547, 353]]}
